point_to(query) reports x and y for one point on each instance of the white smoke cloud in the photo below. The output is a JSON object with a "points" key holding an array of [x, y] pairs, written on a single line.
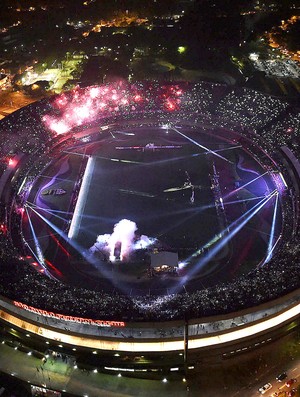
{"points": [[121, 242], [124, 233]]}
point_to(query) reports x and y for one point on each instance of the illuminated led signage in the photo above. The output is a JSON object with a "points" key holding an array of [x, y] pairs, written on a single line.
{"points": [[80, 320]]}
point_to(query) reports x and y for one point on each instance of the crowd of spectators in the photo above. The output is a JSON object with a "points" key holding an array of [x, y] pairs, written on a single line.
{"points": [[285, 131], [276, 278], [252, 114], [250, 108], [219, 105]]}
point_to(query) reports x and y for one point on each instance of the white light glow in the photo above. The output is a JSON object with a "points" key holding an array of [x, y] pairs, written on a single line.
{"points": [[82, 197]]}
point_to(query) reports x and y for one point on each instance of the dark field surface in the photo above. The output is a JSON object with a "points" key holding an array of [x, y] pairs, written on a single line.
{"points": [[164, 182]]}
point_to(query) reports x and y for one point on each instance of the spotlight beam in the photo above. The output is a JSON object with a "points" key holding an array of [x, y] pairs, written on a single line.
{"points": [[271, 251], [232, 233], [58, 231], [201, 146], [233, 202], [264, 200], [226, 235], [54, 212], [56, 178], [239, 201], [55, 228], [75, 153], [220, 235], [242, 187], [72, 243], [117, 160], [48, 212], [228, 148], [39, 254], [271, 239], [173, 159]]}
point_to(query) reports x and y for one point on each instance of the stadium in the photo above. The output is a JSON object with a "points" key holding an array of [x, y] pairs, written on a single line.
{"points": [[150, 221]]}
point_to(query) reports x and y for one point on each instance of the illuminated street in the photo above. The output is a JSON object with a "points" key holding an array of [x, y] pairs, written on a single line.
{"points": [[242, 377]]}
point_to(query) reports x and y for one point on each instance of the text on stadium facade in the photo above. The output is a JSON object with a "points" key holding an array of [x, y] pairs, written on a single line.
{"points": [[80, 320]]}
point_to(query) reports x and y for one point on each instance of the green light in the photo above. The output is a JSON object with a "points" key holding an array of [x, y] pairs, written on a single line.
{"points": [[181, 49], [291, 325]]}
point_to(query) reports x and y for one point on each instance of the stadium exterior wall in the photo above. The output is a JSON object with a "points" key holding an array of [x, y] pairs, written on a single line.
{"points": [[220, 332]]}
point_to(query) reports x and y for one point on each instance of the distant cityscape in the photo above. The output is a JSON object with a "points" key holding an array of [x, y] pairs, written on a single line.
{"points": [[47, 47]]}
